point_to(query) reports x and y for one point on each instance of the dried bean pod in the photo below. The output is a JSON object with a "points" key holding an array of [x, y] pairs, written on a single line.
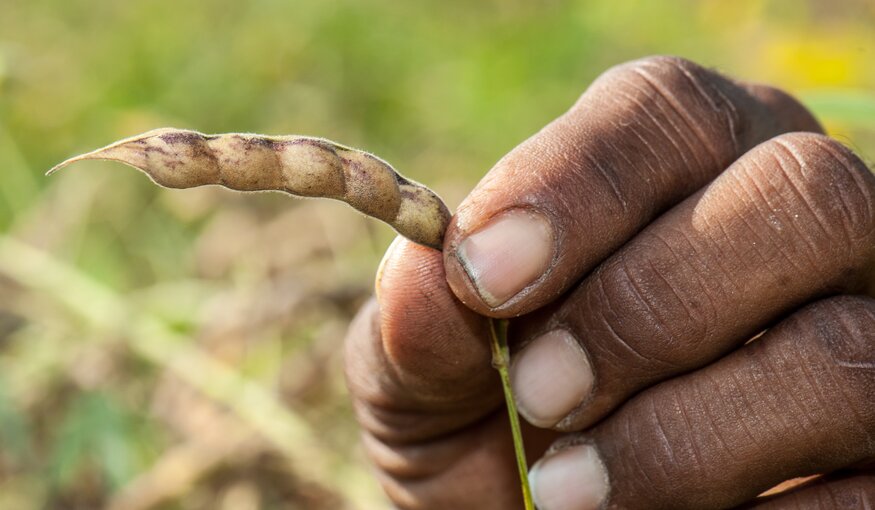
{"points": [[298, 165]]}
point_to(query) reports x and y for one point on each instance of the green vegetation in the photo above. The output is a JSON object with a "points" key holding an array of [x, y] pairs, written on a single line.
{"points": [[181, 349]]}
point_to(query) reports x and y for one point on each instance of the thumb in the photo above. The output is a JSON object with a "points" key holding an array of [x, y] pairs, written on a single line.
{"points": [[418, 360]]}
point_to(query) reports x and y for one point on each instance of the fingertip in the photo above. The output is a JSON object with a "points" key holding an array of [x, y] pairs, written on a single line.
{"points": [[386, 260], [406, 268]]}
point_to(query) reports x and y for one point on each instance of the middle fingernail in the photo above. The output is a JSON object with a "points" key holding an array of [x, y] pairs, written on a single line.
{"points": [[550, 377]]}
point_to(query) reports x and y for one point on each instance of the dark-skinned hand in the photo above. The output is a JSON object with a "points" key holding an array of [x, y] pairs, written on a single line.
{"points": [[687, 263]]}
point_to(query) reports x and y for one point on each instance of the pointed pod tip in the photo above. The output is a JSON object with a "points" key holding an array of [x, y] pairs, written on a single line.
{"points": [[74, 159], [61, 165], [106, 153]]}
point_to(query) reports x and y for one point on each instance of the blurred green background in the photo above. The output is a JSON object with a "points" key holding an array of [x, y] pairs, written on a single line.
{"points": [[182, 349]]}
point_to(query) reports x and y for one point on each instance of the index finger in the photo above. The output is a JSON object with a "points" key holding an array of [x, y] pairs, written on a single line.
{"points": [[646, 135]]}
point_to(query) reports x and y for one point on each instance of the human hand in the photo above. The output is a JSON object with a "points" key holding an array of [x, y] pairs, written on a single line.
{"points": [[639, 242]]}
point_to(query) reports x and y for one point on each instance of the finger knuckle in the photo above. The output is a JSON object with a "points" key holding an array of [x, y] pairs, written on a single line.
{"points": [[829, 192], [390, 423], [658, 446], [668, 70], [842, 329], [633, 298], [687, 99]]}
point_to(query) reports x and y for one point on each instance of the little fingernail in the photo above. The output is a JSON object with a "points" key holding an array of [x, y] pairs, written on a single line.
{"points": [[550, 377], [506, 255], [572, 479]]}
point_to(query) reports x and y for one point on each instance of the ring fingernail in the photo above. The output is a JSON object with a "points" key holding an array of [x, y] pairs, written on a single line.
{"points": [[550, 377], [572, 479]]}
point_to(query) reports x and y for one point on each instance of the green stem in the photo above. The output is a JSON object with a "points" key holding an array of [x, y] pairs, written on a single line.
{"points": [[501, 362]]}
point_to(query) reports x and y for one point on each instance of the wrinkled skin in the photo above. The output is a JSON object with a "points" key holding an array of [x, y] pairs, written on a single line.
{"points": [[673, 215]]}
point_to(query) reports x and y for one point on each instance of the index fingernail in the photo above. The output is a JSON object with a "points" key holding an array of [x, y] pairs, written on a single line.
{"points": [[507, 255]]}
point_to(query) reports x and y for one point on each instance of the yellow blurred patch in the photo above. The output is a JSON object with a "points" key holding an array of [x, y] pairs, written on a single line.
{"points": [[814, 60]]}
